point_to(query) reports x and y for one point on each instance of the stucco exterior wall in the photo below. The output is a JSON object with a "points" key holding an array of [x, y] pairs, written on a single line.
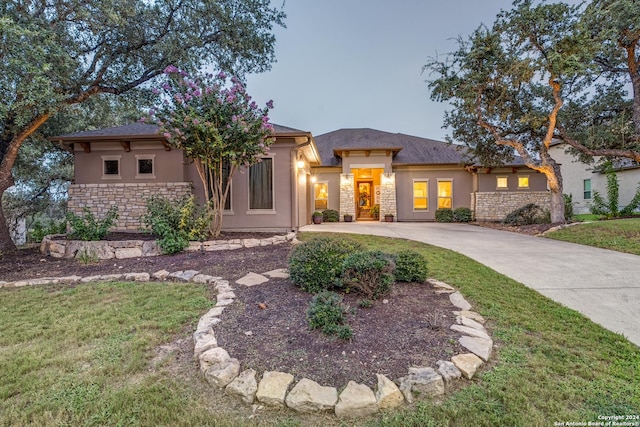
{"points": [[462, 188], [330, 176], [129, 197], [487, 182], [496, 205]]}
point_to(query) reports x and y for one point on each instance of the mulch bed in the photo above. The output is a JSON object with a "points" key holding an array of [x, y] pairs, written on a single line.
{"points": [[411, 329]]}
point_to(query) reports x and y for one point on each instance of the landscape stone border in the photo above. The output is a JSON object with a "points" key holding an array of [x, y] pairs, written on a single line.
{"points": [[57, 247]]}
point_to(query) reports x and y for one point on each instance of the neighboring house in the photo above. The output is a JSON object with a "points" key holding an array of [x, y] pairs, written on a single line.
{"points": [[349, 170], [580, 179]]}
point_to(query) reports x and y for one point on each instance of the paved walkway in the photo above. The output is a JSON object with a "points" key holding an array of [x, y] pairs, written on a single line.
{"points": [[603, 285]]}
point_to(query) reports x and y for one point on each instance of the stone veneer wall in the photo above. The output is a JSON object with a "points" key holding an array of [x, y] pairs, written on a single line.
{"points": [[496, 205], [347, 195], [388, 196], [130, 199]]}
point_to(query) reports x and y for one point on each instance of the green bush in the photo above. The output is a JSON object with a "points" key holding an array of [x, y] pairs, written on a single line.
{"points": [[444, 215], [462, 215], [175, 222], [568, 206], [330, 215], [38, 231], [410, 267], [327, 313], [369, 273], [87, 227], [316, 265], [528, 214]]}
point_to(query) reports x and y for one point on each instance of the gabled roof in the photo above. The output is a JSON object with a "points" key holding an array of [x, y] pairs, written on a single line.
{"points": [[410, 149], [135, 130]]}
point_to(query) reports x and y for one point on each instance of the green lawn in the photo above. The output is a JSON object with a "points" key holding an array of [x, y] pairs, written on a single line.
{"points": [[80, 357], [622, 235]]}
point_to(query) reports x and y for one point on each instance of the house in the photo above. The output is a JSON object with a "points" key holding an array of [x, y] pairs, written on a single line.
{"points": [[580, 180], [349, 170]]}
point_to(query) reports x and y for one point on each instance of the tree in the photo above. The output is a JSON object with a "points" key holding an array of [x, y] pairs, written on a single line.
{"points": [[606, 120], [507, 85], [59, 53], [218, 126]]}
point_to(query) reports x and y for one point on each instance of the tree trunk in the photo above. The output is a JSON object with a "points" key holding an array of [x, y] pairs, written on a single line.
{"points": [[554, 179]]}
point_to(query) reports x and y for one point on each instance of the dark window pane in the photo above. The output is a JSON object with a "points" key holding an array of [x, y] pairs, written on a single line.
{"points": [[145, 166], [111, 167], [261, 185]]}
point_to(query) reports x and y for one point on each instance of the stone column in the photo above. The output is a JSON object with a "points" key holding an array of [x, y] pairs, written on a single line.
{"points": [[347, 195], [388, 195]]}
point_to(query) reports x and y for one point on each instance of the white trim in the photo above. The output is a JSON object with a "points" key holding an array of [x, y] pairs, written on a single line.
{"points": [[353, 166], [413, 198], [112, 177], [151, 175]]}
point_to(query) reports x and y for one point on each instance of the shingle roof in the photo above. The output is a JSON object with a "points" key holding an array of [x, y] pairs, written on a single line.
{"points": [[414, 150]]}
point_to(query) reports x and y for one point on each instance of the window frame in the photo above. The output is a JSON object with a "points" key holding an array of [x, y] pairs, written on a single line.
{"points": [[111, 158], [151, 175], [438, 192], [413, 195], [585, 191], [528, 182], [259, 211], [498, 178], [315, 199]]}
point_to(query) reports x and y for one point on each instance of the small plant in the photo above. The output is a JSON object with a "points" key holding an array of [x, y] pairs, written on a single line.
{"points": [[87, 227], [610, 207], [87, 257], [369, 273], [365, 303], [327, 313], [330, 215], [317, 217], [410, 267], [37, 233], [375, 211], [436, 320], [444, 215], [527, 215], [175, 222], [568, 206], [316, 265], [462, 214]]}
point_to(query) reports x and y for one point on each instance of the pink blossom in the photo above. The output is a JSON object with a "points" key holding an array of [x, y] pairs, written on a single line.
{"points": [[270, 104], [171, 69], [167, 135]]}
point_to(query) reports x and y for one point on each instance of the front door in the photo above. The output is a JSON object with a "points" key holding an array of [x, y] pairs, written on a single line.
{"points": [[364, 199]]}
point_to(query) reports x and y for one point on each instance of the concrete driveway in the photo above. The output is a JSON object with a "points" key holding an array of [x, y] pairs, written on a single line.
{"points": [[603, 285]]}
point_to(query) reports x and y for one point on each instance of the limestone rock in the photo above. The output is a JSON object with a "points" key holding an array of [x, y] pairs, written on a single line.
{"points": [[150, 248], [309, 396], [458, 300], [273, 387], [212, 357], [203, 343], [226, 295], [250, 243], [160, 274], [252, 279], [111, 277], [449, 371], [223, 373], [137, 277], [194, 247], [223, 302], [356, 400], [426, 382], [465, 321], [479, 346], [440, 285], [103, 250], [88, 279], [56, 249], [203, 278], [467, 363], [70, 279], [470, 315], [124, 253], [472, 332], [184, 276], [388, 394], [244, 386], [280, 273], [290, 236]]}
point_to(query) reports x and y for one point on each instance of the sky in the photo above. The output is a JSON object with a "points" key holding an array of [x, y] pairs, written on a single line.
{"points": [[358, 63]]}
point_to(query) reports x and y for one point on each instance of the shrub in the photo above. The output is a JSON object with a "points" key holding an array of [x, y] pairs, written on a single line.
{"points": [[327, 313], [175, 222], [316, 265], [568, 206], [330, 215], [369, 273], [462, 215], [528, 214], [444, 215], [87, 227], [410, 267], [38, 231]]}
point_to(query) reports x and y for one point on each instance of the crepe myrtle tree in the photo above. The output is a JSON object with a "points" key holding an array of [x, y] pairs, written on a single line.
{"points": [[507, 84], [219, 127], [59, 53]]}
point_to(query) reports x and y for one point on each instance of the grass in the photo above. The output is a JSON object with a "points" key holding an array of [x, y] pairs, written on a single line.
{"points": [[79, 357], [622, 235]]}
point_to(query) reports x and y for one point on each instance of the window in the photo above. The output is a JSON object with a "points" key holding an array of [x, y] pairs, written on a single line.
{"points": [[321, 196], [586, 185], [261, 185], [421, 195], [111, 167], [145, 167], [445, 194], [502, 182], [523, 181]]}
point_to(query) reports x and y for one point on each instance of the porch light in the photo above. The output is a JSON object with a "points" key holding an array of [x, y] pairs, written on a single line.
{"points": [[314, 179], [300, 164]]}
